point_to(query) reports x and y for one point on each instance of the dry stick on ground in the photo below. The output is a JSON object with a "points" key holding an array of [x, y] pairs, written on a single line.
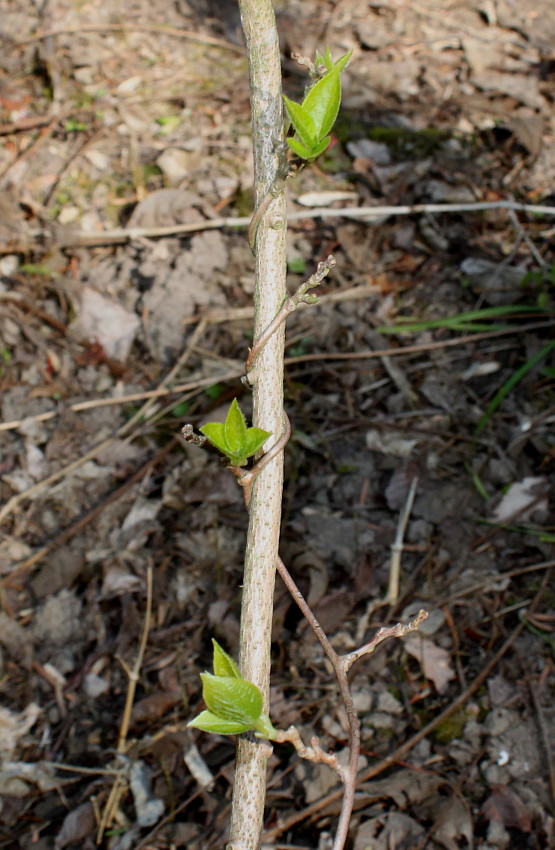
{"points": [[271, 835], [124, 234], [133, 674], [394, 566], [158, 393], [163, 390], [261, 38], [129, 26], [483, 585], [397, 546]]}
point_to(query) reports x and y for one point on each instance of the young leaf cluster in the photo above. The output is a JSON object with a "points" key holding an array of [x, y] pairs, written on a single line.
{"points": [[232, 438], [315, 116], [234, 705]]}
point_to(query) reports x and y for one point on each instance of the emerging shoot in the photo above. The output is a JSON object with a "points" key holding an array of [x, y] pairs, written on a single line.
{"points": [[233, 439], [234, 705], [313, 119]]}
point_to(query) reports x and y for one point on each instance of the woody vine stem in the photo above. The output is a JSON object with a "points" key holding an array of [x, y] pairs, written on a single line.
{"points": [[263, 483]]}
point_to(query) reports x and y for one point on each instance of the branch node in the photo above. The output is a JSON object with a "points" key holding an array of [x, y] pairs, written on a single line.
{"points": [[314, 753], [301, 296], [188, 434], [398, 630], [277, 222]]}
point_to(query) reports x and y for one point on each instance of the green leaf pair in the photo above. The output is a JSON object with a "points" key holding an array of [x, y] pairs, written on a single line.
{"points": [[234, 705], [315, 116], [233, 438]]}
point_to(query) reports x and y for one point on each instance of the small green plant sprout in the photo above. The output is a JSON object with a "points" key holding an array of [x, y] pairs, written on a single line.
{"points": [[234, 705], [313, 119], [233, 439]]}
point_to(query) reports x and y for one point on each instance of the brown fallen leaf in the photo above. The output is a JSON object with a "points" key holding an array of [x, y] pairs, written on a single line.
{"points": [[506, 807], [452, 823], [153, 707], [434, 660], [78, 825]]}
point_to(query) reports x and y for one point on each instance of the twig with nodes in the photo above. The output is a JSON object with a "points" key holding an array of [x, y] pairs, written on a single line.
{"points": [[301, 296], [272, 835], [341, 664]]}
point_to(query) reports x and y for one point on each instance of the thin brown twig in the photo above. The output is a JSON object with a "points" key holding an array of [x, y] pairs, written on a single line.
{"points": [[42, 136], [314, 753], [273, 834], [397, 545], [398, 630], [349, 775], [26, 124], [483, 585], [417, 349], [128, 26], [29, 307], [340, 664], [123, 234], [301, 296], [134, 673]]}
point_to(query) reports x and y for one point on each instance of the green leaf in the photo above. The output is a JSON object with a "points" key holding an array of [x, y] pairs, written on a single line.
{"points": [[232, 699], [325, 59], [343, 61], [302, 121], [301, 150], [215, 432], [233, 438], [235, 431], [322, 103], [314, 118], [322, 146], [308, 153], [264, 728], [255, 439], [209, 722], [223, 664]]}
